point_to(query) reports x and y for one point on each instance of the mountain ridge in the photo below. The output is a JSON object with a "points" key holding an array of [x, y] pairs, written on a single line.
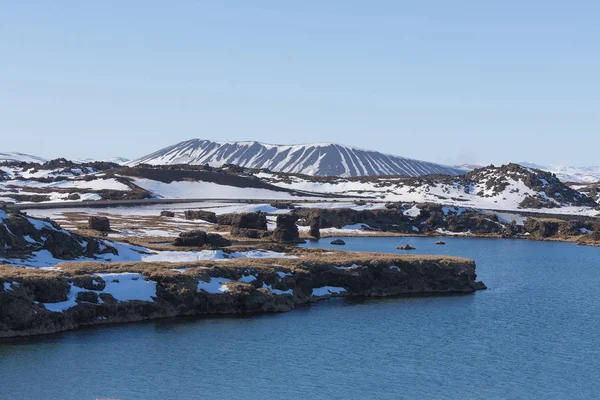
{"points": [[320, 159]]}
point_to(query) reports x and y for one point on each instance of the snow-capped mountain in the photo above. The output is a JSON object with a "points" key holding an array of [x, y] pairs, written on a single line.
{"points": [[14, 157], [321, 159]]}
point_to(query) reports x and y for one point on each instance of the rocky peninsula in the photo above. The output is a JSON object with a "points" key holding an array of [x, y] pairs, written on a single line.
{"points": [[78, 294]]}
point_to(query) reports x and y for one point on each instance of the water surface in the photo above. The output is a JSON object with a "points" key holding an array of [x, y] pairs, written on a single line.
{"points": [[534, 335]]}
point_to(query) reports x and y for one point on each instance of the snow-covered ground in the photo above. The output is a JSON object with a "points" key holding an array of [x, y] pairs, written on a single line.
{"points": [[206, 190], [478, 195], [568, 173]]}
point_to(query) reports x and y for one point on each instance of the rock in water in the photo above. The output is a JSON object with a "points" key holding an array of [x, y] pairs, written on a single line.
{"points": [[406, 247], [252, 220], [287, 230], [315, 226], [101, 224], [338, 242], [440, 242]]}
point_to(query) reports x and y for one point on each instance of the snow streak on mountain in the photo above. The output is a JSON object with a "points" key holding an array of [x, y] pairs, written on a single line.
{"points": [[14, 157], [322, 159]]}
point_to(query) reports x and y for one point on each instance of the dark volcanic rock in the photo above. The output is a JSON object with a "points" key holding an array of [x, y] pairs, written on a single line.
{"points": [[250, 233], [62, 245], [287, 230], [216, 240], [22, 312], [169, 214], [338, 242], [200, 238], [406, 247], [252, 220], [440, 242], [101, 224], [87, 297], [315, 226], [89, 282], [207, 216], [191, 239]]}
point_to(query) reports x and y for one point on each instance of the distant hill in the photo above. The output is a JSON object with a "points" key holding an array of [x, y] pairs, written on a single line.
{"points": [[321, 159], [20, 157]]}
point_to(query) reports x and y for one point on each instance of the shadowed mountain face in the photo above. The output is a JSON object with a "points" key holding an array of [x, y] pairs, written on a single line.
{"points": [[323, 159]]}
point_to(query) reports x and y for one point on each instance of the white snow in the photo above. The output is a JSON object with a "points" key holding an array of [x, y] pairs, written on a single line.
{"points": [[210, 190], [395, 268], [413, 212], [215, 285], [247, 278], [277, 291], [327, 290], [130, 286]]}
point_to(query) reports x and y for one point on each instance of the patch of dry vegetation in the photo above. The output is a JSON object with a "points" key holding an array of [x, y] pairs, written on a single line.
{"points": [[308, 259]]}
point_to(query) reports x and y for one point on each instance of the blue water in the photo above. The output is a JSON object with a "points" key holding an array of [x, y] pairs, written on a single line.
{"points": [[534, 335]]}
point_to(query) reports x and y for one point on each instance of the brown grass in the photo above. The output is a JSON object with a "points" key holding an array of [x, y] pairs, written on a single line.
{"points": [[309, 258]]}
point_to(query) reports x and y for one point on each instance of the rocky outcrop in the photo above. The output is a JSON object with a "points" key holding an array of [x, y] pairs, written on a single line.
{"points": [[101, 224], [250, 233], [252, 220], [286, 230], [200, 238], [27, 300], [314, 223], [21, 236], [406, 247], [207, 216], [338, 242], [168, 214]]}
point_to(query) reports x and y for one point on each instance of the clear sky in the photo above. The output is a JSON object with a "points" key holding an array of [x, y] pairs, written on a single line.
{"points": [[446, 81]]}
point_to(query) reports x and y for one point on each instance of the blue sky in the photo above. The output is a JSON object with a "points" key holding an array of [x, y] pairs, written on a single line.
{"points": [[446, 81]]}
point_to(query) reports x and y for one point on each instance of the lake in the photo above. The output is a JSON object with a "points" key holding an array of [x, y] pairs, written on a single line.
{"points": [[535, 334]]}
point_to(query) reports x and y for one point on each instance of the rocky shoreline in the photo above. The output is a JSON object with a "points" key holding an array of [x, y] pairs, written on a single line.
{"points": [[37, 302]]}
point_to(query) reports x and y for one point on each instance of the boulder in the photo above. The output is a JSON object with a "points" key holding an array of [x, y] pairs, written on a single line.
{"points": [[62, 245], [440, 242], [216, 240], [250, 233], [198, 238], [406, 247], [338, 242], [287, 230], [87, 297], [101, 224], [315, 226], [207, 216], [191, 239], [252, 220], [169, 214]]}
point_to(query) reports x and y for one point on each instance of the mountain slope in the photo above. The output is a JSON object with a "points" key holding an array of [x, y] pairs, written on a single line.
{"points": [[509, 187], [14, 157], [322, 159]]}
